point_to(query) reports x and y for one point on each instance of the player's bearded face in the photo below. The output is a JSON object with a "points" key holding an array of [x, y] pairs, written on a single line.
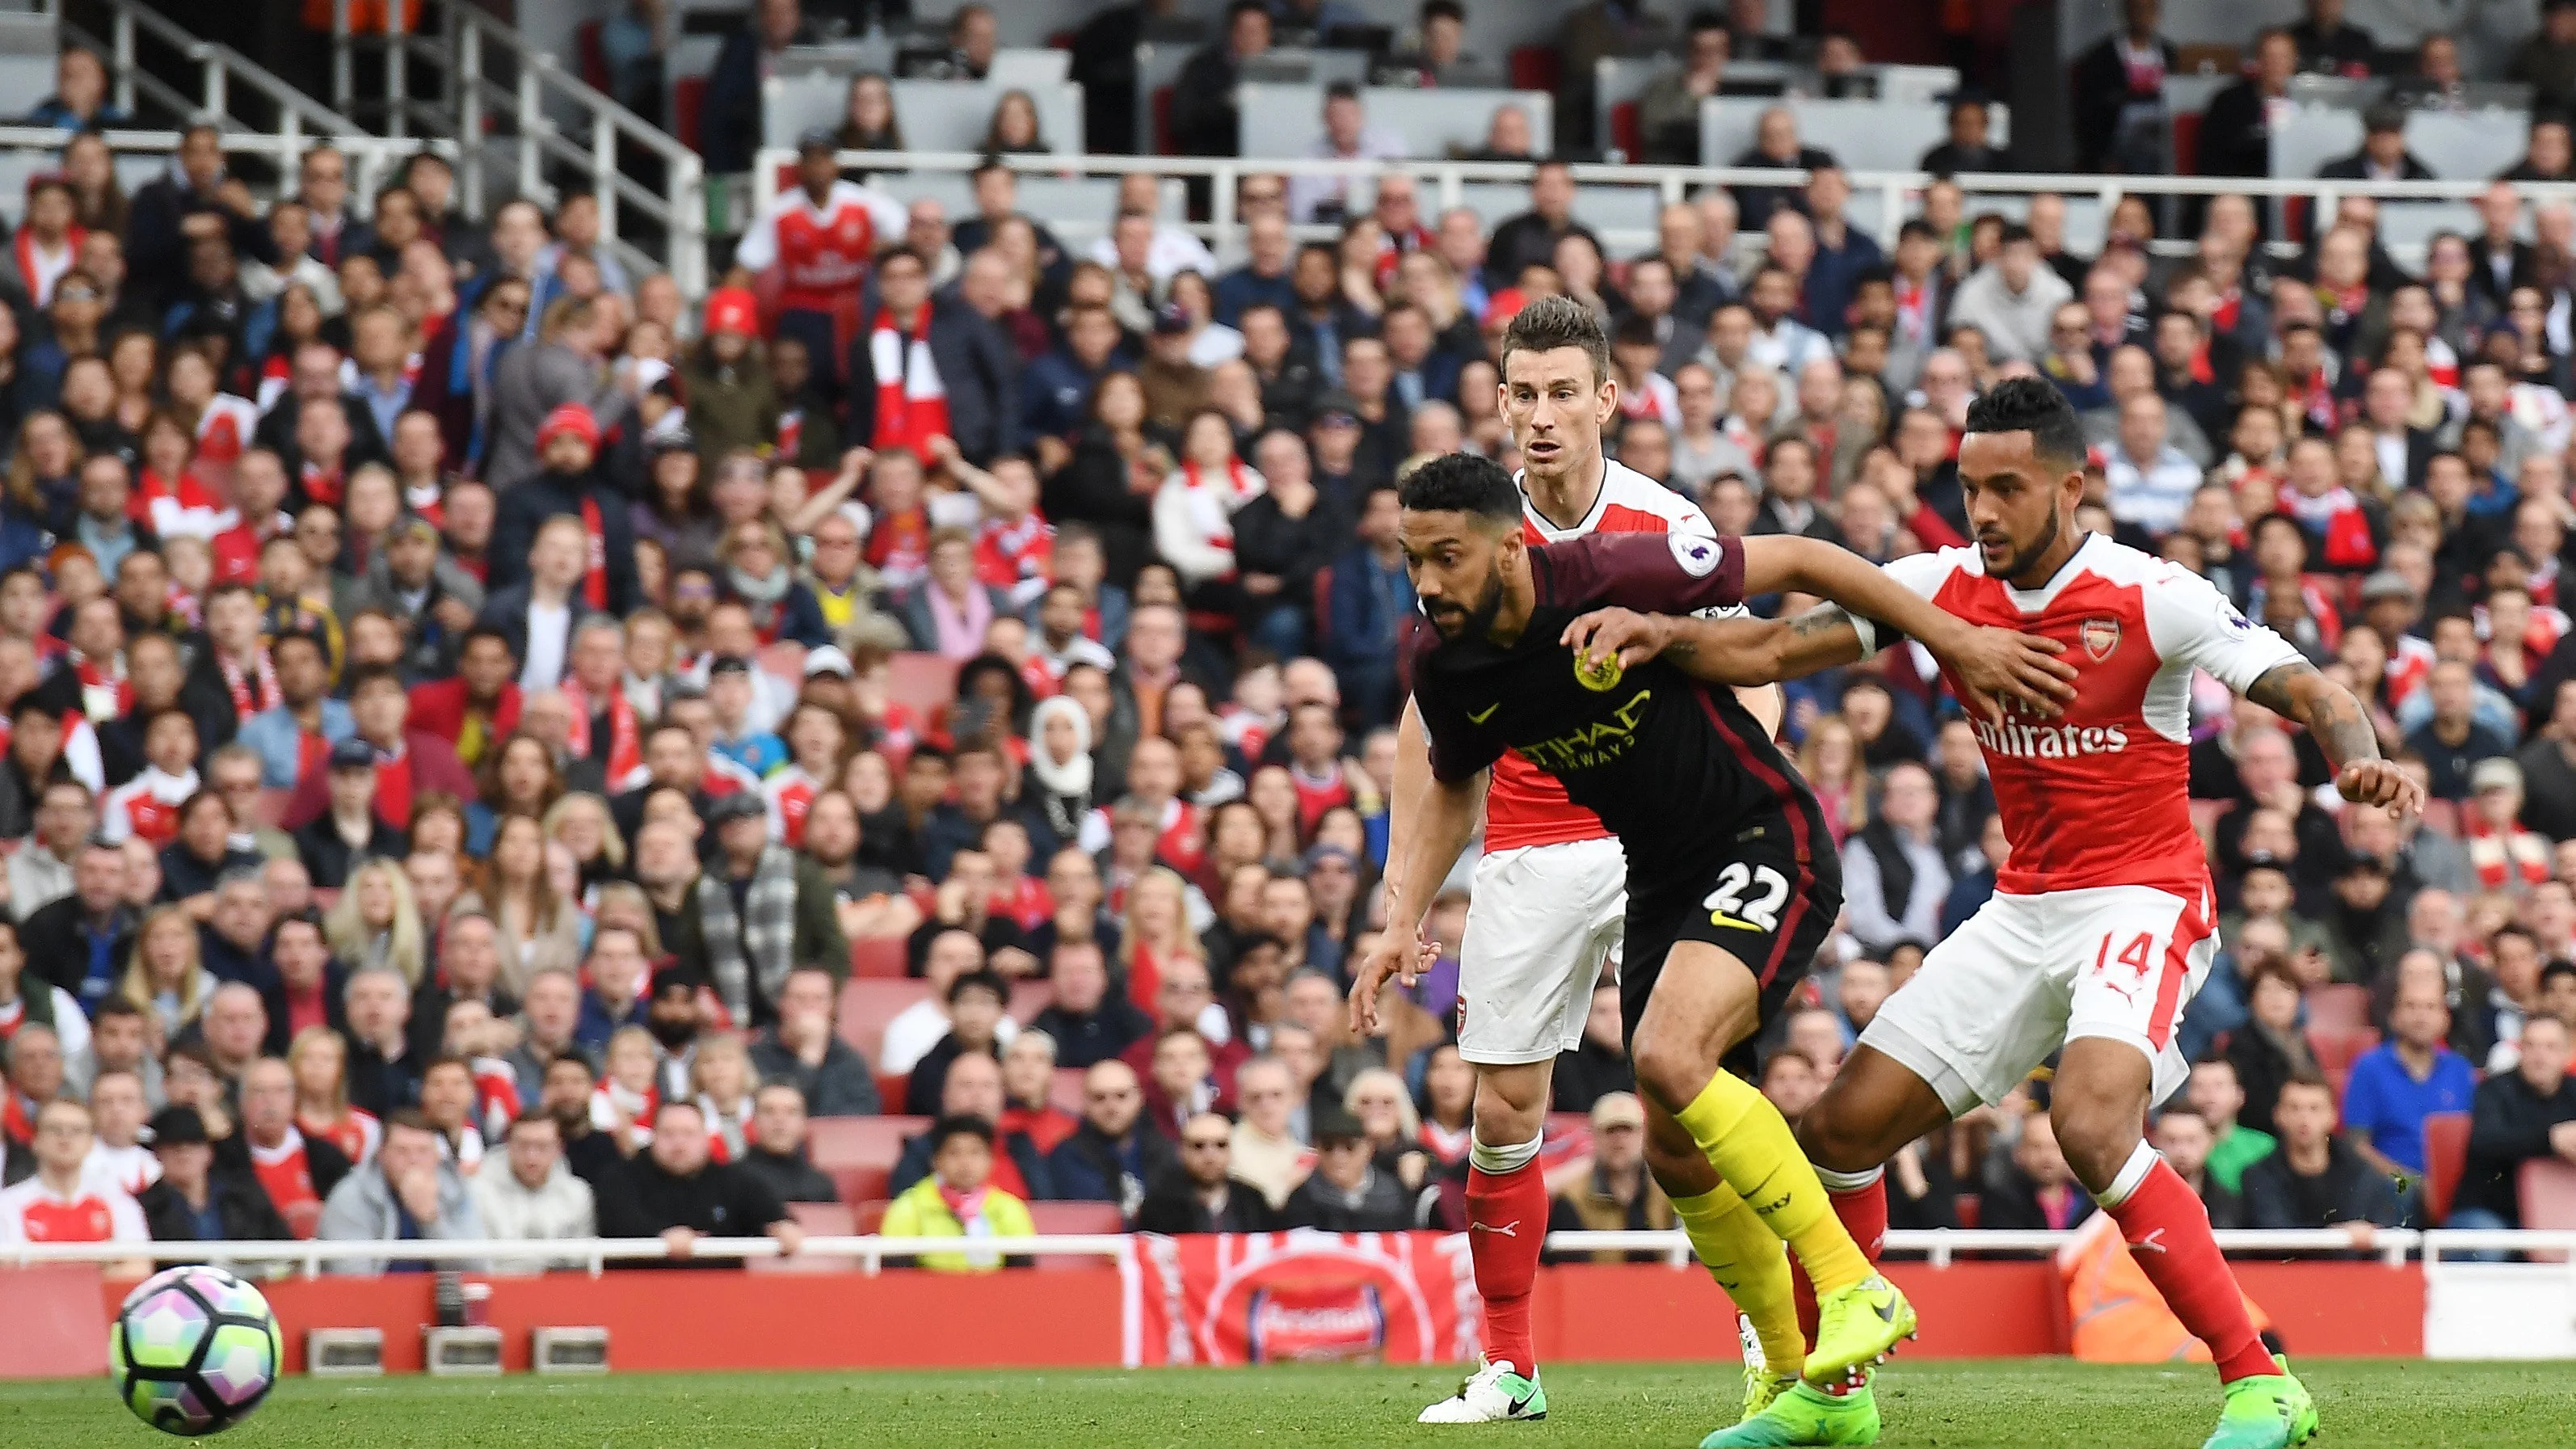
{"points": [[2008, 556], [1461, 592]]}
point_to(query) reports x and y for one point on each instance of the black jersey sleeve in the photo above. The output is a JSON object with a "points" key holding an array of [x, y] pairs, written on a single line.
{"points": [[1652, 573], [1458, 747]]}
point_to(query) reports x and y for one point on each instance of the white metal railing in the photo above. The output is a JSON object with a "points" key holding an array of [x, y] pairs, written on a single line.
{"points": [[493, 87], [1447, 178], [220, 69], [1940, 1248]]}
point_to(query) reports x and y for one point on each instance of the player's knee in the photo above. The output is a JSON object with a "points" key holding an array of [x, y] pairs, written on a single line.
{"points": [[1836, 1140], [1670, 1068], [1508, 1111], [2095, 1135]]}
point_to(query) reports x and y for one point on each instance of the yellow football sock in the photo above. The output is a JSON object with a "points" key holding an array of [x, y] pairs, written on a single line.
{"points": [[1747, 1261], [1749, 1144]]}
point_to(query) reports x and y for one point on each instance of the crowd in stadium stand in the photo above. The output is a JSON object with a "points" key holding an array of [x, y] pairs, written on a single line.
{"points": [[498, 747]]}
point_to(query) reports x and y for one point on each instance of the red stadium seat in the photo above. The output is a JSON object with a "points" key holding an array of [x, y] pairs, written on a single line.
{"points": [[2442, 817], [1057, 1218], [1535, 67], [688, 104], [1028, 998], [2186, 143], [893, 1088], [1624, 132], [839, 1142], [818, 1219], [2446, 1155], [1066, 1094], [2338, 1008], [2338, 1050], [2548, 1191], [862, 1184], [1968, 1208], [918, 680], [1163, 121], [867, 1004], [786, 659], [825, 1219], [879, 958], [593, 58], [870, 1216]]}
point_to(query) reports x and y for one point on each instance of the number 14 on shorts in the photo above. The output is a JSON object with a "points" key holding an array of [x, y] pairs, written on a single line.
{"points": [[2138, 955], [1731, 905]]}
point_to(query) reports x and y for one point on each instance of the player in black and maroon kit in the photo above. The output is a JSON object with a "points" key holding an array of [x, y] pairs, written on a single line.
{"points": [[1732, 878]]}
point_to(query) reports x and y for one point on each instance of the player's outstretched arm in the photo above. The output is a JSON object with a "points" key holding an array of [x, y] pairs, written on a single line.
{"points": [[1991, 665], [1742, 652], [2298, 691]]}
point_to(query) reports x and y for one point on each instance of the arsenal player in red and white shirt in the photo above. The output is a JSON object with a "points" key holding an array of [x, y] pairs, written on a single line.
{"points": [[61, 1205]]}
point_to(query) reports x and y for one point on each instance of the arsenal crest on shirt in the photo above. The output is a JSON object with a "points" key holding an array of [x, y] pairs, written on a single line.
{"points": [[2101, 635]]}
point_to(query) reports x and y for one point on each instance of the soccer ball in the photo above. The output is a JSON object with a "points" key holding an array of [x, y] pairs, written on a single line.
{"points": [[194, 1350]]}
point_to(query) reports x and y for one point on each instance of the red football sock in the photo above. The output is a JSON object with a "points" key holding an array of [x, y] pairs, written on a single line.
{"points": [[2168, 1234], [1863, 1211], [1506, 1218]]}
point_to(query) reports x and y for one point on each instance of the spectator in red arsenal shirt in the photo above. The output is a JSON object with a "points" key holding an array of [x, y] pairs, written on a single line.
{"points": [[60, 1204], [409, 761]]}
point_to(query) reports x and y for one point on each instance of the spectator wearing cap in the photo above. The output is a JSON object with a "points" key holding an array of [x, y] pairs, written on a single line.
{"points": [[959, 1199], [760, 911], [196, 1198], [334, 842], [1347, 1192], [1347, 136], [1199, 1193], [2383, 155], [566, 486], [409, 762], [1618, 1194], [732, 402], [923, 368]]}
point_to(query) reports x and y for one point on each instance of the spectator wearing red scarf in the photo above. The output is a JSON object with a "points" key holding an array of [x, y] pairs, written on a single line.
{"points": [[921, 368], [567, 484]]}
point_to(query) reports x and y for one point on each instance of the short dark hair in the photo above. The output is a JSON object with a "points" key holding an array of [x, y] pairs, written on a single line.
{"points": [[958, 1124], [530, 1117], [2032, 405], [1463, 483], [1551, 322], [367, 674], [2309, 1077], [982, 979]]}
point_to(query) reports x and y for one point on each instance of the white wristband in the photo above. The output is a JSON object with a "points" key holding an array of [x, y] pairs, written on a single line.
{"points": [[1868, 633]]}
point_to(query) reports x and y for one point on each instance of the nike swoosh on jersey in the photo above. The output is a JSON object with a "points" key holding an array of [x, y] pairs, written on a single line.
{"points": [[1473, 718]]}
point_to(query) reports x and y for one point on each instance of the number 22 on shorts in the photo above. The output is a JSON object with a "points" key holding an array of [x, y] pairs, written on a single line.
{"points": [[1728, 905]]}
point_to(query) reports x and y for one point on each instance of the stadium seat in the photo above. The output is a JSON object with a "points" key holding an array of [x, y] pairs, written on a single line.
{"points": [[2548, 1192], [688, 103], [868, 1217], [1624, 131], [837, 1142], [2442, 817], [882, 958], [818, 1219], [2336, 1051], [1535, 68], [1066, 1094], [893, 1088], [920, 681], [593, 58], [868, 1004], [1967, 1207], [2338, 1008], [2446, 1154], [1028, 998], [861, 1184], [1059, 1218], [786, 659]]}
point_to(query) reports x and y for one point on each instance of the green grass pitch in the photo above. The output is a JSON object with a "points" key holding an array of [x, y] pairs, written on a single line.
{"points": [[2030, 1404]]}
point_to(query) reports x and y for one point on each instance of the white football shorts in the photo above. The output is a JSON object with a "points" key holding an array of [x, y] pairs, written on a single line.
{"points": [[1542, 923], [2027, 974]]}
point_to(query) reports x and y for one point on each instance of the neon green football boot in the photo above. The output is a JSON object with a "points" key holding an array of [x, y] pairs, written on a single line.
{"points": [[1805, 1414], [2266, 1411], [1857, 1327]]}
